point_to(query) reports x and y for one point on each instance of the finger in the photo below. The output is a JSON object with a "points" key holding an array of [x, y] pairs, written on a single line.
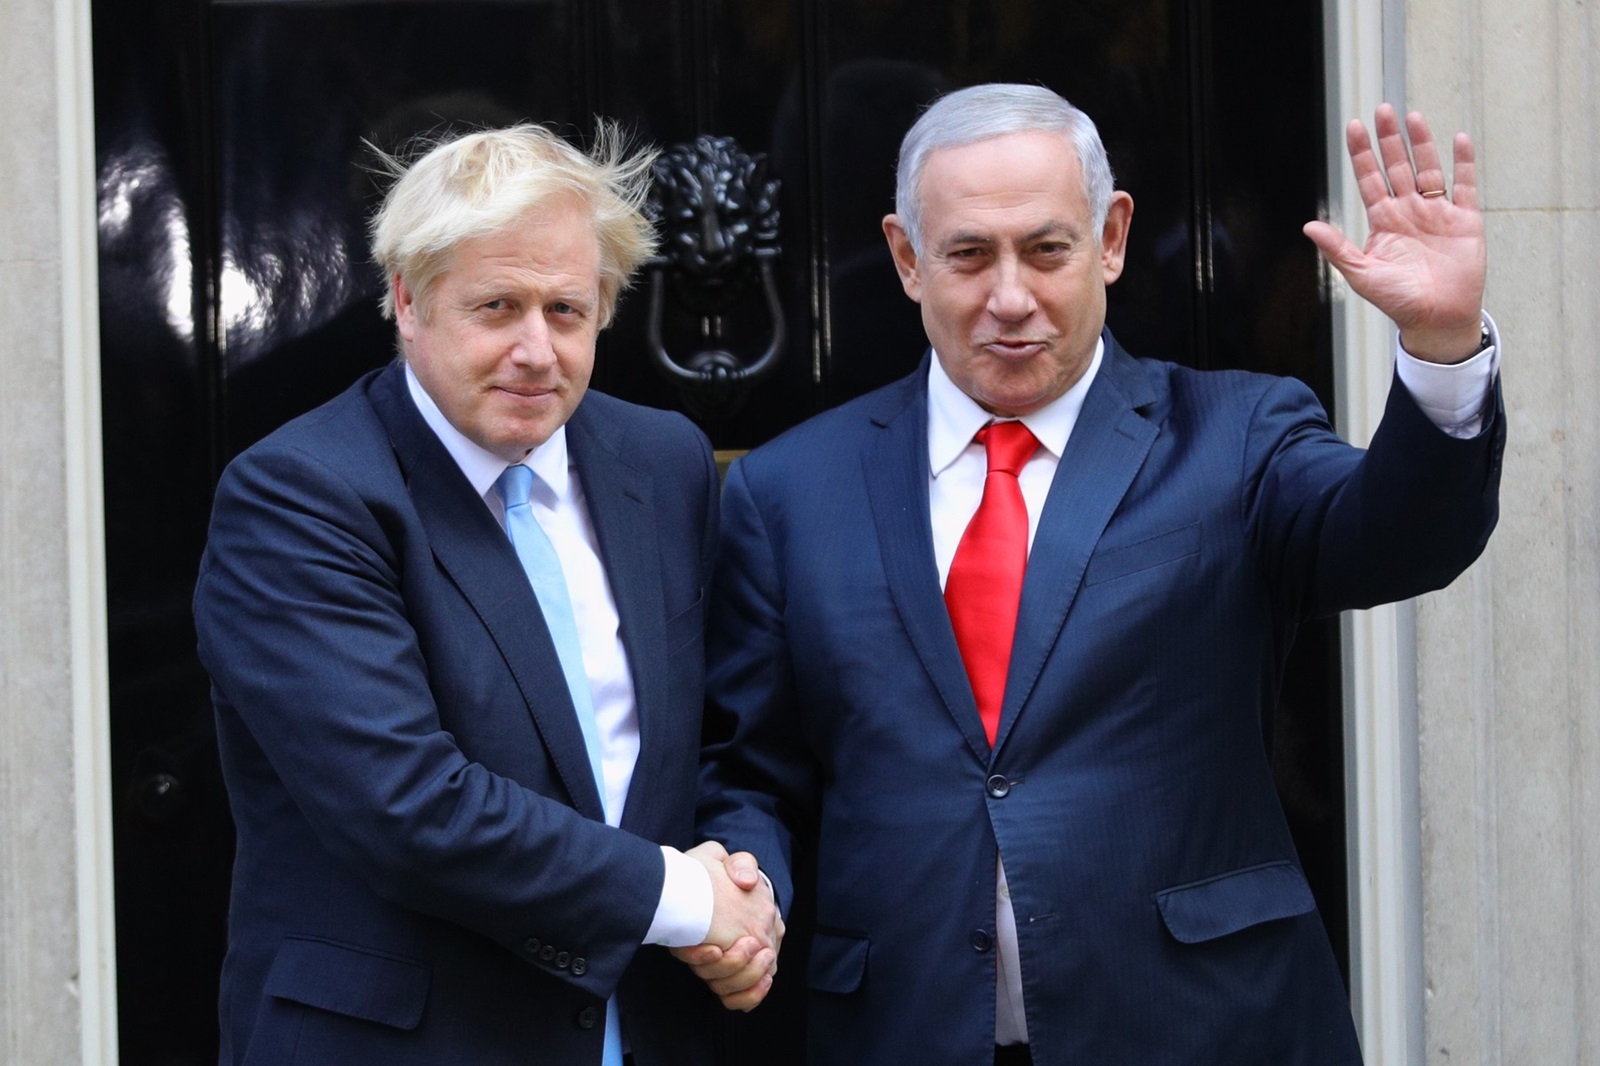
{"points": [[699, 955], [732, 961], [749, 999], [1392, 147], [1364, 164], [762, 967], [743, 870], [1466, 173], [1425, 154]]}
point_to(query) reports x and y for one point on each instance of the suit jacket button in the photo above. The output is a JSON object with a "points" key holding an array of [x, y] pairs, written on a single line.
{"points": [[998, 786], [563, 959], [981, 940], [532, 945], [547, 952], [580, 966], [587, 1017]]}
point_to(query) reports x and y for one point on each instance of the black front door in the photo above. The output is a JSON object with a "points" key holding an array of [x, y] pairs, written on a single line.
{"points": [[235, 181]]}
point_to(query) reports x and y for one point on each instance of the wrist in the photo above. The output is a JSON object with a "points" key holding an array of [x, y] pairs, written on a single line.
{"points": [[1447, 347]]}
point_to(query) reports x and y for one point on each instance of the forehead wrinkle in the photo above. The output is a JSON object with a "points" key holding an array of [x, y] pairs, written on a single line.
{"points": [[517, 272]]}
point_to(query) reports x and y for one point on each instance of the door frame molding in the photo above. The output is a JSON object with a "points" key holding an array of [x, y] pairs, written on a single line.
{"points": [[1365, 64], [82, 442]]}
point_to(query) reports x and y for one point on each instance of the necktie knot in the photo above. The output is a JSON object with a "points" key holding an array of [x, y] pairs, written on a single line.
{"points": [[1009, 445], [515, 485]]}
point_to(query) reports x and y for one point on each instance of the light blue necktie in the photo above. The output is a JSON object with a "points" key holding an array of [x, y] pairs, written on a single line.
{"points": [[543, 566]]}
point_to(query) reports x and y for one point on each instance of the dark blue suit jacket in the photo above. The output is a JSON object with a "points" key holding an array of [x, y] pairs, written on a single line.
{"points": [[423, 874], [1163, 918]]}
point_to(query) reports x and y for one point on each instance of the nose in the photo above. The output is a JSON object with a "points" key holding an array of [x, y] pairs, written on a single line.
{"points": [[532, 347], [1011, 298]]}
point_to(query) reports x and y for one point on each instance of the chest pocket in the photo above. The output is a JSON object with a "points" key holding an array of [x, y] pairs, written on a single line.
{"points": [[1144, 555]]}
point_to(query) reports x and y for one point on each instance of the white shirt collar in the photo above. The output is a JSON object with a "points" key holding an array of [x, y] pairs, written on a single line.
{"points": [[482, 467], [954, 417]]}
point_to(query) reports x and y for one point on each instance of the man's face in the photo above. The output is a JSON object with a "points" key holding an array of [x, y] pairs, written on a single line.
{"points": [[505, 346], [1011, 279]]}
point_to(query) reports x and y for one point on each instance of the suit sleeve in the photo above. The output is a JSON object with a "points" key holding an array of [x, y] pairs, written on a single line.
{"points": [[759, 781], [323, 697], [1338, 528]]}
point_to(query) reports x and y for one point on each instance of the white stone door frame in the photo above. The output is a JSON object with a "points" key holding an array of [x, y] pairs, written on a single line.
{"points": [[95, 986], [1365, 64]]}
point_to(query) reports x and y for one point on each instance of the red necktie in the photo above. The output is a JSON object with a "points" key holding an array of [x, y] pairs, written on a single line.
{"points": [[984, 586]]}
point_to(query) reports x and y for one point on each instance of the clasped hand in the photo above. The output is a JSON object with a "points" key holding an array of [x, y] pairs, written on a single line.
{"points": [[740, 956]]}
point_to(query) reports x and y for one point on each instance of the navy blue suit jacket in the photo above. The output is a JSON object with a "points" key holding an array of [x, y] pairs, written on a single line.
{"points": [[423, 874], [1163, 917]]}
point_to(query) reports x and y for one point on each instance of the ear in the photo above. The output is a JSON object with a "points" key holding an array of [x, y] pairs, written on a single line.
{"points": [[905, 257], [405, 308], [1114, 239]]}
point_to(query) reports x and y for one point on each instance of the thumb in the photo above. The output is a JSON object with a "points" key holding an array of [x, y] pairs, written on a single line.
{"points": [[1335, 247], [709, 851], [743, 870]]}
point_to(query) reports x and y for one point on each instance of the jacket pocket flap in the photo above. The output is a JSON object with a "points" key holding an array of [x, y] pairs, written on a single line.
{"points": [[838, 962], [1217, 906], [349, 980], [1145, 555]]}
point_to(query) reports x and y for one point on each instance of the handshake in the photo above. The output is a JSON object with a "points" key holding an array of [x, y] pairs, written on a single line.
{"points": [[740, 955]]}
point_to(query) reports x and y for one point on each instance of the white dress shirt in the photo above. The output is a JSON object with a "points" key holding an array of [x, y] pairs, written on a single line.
{"points": [[1452, 396], [683, 915]]}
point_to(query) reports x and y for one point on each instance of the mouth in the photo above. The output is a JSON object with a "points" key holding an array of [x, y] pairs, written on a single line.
{"points": [[524, 392], [1013, 348]]}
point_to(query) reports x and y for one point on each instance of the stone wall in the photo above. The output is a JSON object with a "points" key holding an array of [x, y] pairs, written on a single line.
{"points": [[1509, 657], [38, 916]]}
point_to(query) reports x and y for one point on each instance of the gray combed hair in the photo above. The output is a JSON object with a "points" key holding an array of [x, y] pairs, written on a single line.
{"points": [[980, 112]]}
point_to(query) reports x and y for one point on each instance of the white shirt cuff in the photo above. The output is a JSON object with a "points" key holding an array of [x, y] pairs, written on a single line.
{"points": [[1454, 396], [683, 917]]}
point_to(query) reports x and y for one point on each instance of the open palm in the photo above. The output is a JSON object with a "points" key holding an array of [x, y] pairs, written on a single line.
{"points": [[1424, 263]]}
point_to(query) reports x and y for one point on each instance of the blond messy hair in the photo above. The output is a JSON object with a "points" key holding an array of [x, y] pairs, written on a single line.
{"points": [[481, 183]]}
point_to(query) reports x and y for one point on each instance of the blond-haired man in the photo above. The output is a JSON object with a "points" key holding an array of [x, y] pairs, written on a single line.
{"points": [[460, 788]]}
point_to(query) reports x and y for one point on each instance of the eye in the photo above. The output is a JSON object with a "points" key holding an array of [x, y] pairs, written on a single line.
{"points": [[567, 311], [499, 303]]}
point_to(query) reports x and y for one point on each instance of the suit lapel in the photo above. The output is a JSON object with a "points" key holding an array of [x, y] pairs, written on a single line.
{"points": [[619, 497], [1107, 447], [472, 549], [895, 467]]}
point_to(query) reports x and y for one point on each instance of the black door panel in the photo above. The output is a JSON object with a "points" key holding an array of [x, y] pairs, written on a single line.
{"points": [[235, 184]]}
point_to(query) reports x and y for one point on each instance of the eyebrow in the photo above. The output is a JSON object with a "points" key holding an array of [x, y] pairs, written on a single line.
{"points": [[1052, 227]]}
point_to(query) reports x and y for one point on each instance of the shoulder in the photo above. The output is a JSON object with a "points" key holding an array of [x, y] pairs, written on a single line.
{"points": [[842, 431], [343, 437], [646, 436], [1179, 395]]}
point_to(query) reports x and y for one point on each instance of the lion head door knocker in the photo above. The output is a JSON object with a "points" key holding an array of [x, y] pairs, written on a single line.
{"points": [[717, 211]]}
